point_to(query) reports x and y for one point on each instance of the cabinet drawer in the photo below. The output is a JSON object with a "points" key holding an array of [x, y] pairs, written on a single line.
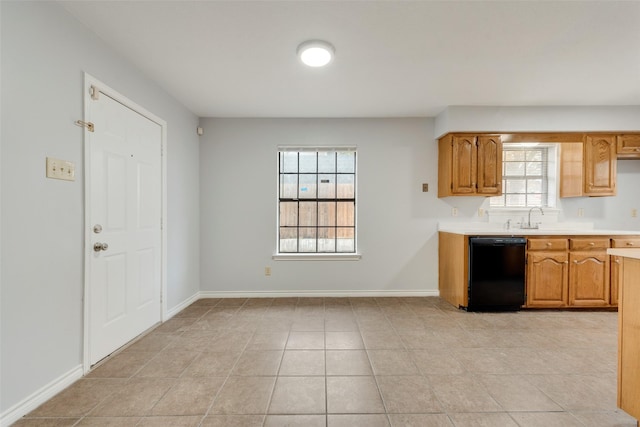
{"points": [[547, 244], [629, 242], [588, 244]]}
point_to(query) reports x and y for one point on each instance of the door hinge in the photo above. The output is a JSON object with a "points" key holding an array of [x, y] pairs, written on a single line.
{"points": [[94, 92], [87, 125]]}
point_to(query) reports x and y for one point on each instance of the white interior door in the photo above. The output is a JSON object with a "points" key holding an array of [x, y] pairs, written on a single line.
{"points": [[125, 203]]}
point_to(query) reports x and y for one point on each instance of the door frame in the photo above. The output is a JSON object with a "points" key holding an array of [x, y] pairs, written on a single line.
{"points": [[104, 90]]}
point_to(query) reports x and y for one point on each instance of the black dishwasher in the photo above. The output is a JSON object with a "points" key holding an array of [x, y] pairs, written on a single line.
{"points": [[496, 273]]}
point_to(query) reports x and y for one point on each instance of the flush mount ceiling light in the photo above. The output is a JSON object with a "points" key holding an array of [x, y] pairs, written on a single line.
{"points": [[316, 53]]}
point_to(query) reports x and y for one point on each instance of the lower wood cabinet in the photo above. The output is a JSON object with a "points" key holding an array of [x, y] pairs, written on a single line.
{"points": [[547, 273], [589, 272], [589, 279], [615, 277], [615, 263], [562, 271], [629, 338], [571, 272]]}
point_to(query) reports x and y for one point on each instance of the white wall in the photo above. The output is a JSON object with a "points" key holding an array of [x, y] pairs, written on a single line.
{"points": [[397, 223], [44, 54], [537, 119], [609, 212]]}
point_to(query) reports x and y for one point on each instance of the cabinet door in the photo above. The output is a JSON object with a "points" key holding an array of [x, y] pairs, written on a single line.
{"points": [[588, 279], [571, 169], [600, 165], [547, 279], [489, 165], [628, 146], [615, 262], [464, 166]]}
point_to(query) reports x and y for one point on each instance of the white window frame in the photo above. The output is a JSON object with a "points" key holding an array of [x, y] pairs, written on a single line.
{"points": [[550, 180], [316, 256]]}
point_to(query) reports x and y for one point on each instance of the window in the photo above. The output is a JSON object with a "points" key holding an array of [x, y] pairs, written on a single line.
{"points": [[317, 200], [528, 176]]}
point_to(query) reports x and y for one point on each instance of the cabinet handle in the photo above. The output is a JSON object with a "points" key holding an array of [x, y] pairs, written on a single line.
{"points": [[629, 243], [575, 261], [548, 243], [617, 261], [567, 262], [636, 149]]}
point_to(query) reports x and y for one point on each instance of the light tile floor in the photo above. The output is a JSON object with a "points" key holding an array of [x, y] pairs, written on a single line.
{"points": [[353, 362]]}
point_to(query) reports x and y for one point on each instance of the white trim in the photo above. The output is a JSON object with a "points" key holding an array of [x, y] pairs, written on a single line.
{"points": [[312, 148], [330, 294], [184, 304], [90, 81], [316, 257], [40, 396]]}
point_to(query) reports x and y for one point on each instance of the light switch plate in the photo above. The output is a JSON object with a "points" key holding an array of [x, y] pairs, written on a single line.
{"points": [[61, 169]]}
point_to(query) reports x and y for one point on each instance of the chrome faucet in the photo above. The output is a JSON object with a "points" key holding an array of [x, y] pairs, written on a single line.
{"points": [[529, 225]]}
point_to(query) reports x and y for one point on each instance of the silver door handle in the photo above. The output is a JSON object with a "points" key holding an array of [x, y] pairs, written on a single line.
{"points": [[100, 247]]}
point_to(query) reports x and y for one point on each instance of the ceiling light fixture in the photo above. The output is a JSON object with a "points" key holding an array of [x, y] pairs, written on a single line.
{"points": [[316, 53]]}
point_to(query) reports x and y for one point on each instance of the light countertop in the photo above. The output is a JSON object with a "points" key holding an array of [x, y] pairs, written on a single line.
{"points": [[628, 253], [488, 229]]}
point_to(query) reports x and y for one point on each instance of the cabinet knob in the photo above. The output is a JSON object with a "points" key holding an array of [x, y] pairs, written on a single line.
{"points": [[567, 262], [636, 149], [548, 243], [575, 261], [617, 261], [591, 244], [629, 243]]}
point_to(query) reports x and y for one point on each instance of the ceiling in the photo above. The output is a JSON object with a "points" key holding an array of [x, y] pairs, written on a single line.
{"points": [[393, 58]]}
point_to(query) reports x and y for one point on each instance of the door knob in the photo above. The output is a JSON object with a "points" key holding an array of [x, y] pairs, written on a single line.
{"points": [[100, 247]]}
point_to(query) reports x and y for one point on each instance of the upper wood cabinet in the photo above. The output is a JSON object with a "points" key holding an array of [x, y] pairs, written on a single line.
{"points": [[600, 159], [469, 165], [571, 169], [628, 146]]}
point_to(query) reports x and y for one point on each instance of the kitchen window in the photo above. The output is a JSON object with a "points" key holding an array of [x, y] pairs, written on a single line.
{"points": [[528, 176], [317, 200]]}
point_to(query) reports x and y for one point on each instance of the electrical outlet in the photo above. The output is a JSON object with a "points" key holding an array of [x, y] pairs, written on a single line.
{"points": [[454, 211], [61, 169], [580, 212], [267, 271], [634, 213], [480, 212], [425, 188]]}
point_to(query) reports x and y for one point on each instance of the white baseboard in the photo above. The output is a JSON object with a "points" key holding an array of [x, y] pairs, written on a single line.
{"points": [[330, 294], [37, 398], [178, 308]]}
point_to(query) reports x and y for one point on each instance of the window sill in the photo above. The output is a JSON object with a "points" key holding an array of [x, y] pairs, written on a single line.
{"points": [[317, 257]]}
